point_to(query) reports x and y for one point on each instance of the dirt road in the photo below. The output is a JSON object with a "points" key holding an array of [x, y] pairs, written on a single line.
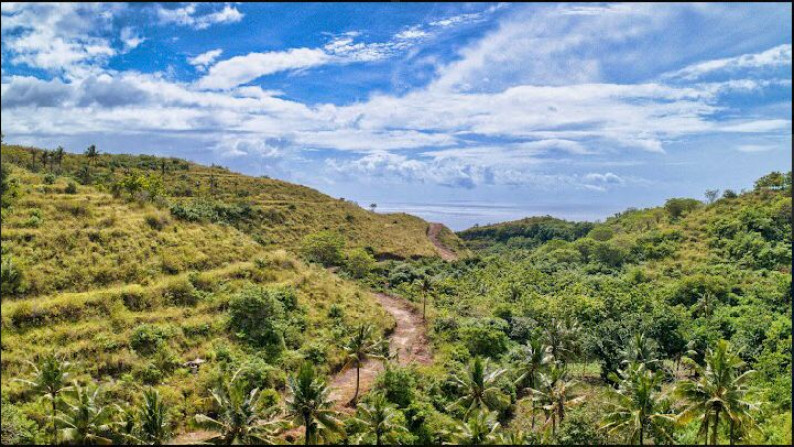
{"points": [[408, 342], [432, 234]]}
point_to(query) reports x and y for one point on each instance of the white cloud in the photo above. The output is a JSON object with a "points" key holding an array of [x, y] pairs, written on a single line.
{"points": [[130, 38], [204, 59], [63, 38], [243, 69], [188, 16], [778, 56]]}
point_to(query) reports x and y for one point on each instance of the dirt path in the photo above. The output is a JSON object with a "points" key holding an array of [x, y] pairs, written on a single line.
{"points": [[408, 342], [432, 234]]}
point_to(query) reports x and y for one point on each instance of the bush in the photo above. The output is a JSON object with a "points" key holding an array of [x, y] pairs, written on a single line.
{"points": [[180, 293], [156, 221], [16, 428], [71, 188], [49, 178], [147, 338], [257, 316], [359, 263], [10, 278], [397, 384], [679, 206], [324, 247], [485, 338]]}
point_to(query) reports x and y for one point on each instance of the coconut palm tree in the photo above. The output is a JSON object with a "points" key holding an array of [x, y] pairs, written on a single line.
{"points": [[241, 417], [381, 420], [635, 406], [50, 379], [555, 394], [308, 404], [480, 428], [641, 350], [477, 385], [425, 285], [153, 417], [85, 420], [59, 152], [91, 152], [562, 339], [534, 357], [358, 349], [720, 388]]}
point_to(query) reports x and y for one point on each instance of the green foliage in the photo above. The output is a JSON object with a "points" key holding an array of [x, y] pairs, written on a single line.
{"points": [[71, 188], [11, 279], [680, 206], [359, 262], [324, 247], [257, 316], [397, 384]]}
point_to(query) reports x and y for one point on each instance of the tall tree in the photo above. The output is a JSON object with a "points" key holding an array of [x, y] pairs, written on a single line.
{"points": [[477, 385], [718, 389], [85, 419], [59, 153], [50, 379], [381, 420], [555, 394], [635, 407], [535, 355], [309, 405], [425, 285], [92, 153], [641, 350], [358, 349], [241, 415], [562, 338]]}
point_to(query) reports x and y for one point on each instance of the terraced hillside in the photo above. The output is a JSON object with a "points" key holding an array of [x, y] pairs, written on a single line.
{"points": [[135, 268]]}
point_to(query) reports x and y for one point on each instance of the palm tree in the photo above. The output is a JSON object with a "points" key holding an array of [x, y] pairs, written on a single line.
{"points": [[91, 152], [240, 415], [50, 379], [719, 388], [705, 304], [555, 394], [635, 405], [59, 156], [535, 356], [478, 387], [381, 419], [358, 349], [310, 406], [640, 350], [480, 428], [425, 285], [562, 339], [85, 420], [514, 437], [45, 154], [153, 417]]}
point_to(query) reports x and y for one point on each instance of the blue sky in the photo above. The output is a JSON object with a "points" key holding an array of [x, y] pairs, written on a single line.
{"points": [[461, 113]]}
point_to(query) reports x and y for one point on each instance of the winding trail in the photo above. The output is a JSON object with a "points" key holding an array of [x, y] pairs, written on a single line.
{"points": [[408, 341], [432, 233]]}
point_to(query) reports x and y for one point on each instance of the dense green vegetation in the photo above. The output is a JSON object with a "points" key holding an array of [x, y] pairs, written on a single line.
{"points": [[145, 299], [654, 325]]}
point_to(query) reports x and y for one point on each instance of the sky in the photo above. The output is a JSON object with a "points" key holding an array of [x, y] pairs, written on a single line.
{"points": [[465, 113]]}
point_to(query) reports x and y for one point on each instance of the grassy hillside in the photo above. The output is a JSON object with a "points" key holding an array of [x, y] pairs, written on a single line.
{"points": [[128, 292], [130, 266], [274, 213]]}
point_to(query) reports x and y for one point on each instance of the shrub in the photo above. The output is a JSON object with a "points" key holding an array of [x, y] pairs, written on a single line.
{"points": [[147, 338], [601, 233], [257, 316], [397, 384], [679, 206], [156, 221], [16, 428], [485, 338], [49, 178], [359, 263], [10, 278], [180, 293], [71, 188], [324, 247]]}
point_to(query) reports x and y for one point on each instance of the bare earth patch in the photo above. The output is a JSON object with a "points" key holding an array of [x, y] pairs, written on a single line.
{"points": [[432, 234]]}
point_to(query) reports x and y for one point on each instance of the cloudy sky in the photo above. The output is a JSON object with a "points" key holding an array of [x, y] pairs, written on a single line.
{"points": [[461, 113]]}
